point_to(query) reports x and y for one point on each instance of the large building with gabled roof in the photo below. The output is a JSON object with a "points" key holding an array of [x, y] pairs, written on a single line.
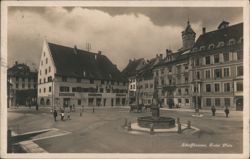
{"points": [[69, 76], [208, 73]]}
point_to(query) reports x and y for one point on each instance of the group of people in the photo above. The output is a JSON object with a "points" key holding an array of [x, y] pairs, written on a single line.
{"points": [[63, 113], [213, 109]]}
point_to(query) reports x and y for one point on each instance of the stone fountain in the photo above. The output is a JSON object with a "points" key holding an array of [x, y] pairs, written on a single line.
{"points": [[155, 120]]}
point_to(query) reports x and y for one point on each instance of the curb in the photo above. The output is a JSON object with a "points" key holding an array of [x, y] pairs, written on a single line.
{"points": [[31, 147]]}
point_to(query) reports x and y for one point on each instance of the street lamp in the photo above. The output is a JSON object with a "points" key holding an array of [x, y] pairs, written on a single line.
{"points": [[196, 86], [52, 93]]}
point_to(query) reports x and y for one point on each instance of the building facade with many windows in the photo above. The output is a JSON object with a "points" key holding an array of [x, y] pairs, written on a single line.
{"points": [[139, 74], [218, 67], [130, 73], [208, 73], [173, 73], [71, 76], [22, 85]]}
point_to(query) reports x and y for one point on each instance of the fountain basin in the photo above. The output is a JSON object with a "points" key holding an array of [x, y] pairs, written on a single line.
{"points": [[159, 123]]}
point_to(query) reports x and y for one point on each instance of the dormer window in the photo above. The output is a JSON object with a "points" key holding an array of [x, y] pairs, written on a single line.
{"points": [[195, 49], [211, 46], [231, 42], [221, 44], [202, 48], [240, 40]]}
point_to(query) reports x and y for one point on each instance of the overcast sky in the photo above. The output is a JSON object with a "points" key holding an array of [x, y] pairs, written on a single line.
{"points": [[121, 33]]}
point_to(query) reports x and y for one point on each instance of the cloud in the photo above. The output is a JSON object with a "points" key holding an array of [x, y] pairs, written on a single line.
{"points": [[208, 16], [119, 36]]}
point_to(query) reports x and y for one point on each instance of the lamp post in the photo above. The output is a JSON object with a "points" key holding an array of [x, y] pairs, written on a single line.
{"points": [[52, 93], [196, 88]]}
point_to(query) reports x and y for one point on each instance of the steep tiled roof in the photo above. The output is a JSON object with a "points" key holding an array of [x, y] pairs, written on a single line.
{"points": [[177, 56], [74, 62], [132, 67], [220, 35], [214, 37]]}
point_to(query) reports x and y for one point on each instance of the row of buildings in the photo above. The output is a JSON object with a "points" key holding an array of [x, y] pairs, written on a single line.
{"points": [[203, 72], [67, 76], [21, 85]]}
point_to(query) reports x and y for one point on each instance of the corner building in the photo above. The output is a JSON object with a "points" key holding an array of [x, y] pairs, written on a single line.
{"points": [[70, 76], [206, 72], [217, 58]]}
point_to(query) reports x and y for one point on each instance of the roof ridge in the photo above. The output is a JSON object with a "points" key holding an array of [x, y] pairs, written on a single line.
{"points": [[231, 26], [80, 50]]}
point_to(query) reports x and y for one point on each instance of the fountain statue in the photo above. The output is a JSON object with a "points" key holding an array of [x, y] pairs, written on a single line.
{"points": [[155, 119]]}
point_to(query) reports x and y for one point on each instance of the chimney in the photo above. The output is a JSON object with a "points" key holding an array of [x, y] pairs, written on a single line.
{"points": [[203, 30], [160, 56], [99, 52], [168, 51], [16, 62], [75, 49]]}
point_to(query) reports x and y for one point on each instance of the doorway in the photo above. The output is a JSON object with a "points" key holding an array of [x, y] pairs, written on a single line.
{"points": [[239, 104], [66, 102]]}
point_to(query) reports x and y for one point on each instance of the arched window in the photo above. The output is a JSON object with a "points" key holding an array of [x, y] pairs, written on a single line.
{"points": [[221, 44], [211, 46], [48, 102], [195, 49], [42, 101], [240, 40], [231, 42], [202, 48]]}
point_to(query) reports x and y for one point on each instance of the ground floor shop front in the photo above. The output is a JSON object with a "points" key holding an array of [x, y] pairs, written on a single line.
{"points": [[22, 98], [87, 99], [220, 102], [203, 102]]}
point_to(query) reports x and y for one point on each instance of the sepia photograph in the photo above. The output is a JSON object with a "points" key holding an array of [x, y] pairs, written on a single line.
{"points": [[131, 79]]}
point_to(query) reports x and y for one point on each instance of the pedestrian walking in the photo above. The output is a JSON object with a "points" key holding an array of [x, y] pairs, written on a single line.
{"points": [[81, 110], [227, 111], [55, 114], [213, 110], [70, 108], [68, 114], [62, 114]]}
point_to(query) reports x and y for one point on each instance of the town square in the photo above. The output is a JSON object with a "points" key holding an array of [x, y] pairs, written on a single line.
{"points": [[125, 80], [103, 132]]}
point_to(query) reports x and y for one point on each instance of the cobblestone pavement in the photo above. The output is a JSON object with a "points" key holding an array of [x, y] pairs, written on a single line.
{"points": [[102, 132]]}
